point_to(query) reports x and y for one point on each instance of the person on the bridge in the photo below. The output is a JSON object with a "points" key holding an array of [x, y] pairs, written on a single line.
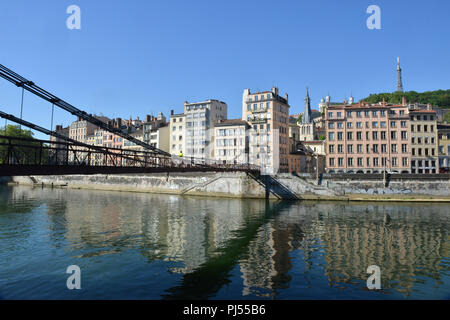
{"points": [[181, 154]]}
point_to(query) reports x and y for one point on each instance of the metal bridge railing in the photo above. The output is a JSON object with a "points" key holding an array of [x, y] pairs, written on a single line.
{"points": [[25, 152]]}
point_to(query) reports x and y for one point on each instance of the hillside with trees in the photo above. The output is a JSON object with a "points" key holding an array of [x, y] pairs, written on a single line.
{"points": [[438, 98]]}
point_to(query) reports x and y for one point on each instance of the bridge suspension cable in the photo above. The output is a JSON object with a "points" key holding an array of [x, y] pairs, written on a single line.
{"points": [[28, 85]]}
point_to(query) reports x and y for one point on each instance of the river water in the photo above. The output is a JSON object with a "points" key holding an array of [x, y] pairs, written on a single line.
{"points": [[147, 246]]}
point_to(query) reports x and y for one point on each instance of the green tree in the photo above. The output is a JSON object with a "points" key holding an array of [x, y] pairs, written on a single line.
{"points": [[24, 152], [447, 117]]}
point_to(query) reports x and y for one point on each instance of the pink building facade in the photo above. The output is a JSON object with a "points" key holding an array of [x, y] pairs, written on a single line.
{"points": [[363, 138]]}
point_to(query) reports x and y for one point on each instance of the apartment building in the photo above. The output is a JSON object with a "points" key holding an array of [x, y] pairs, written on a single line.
{"points": [[59, 155], [200, 120], [177, 133], [268, 115], [424, 141], [231, 141], [363, 138], [156, 132], [444, 147], [138, 133]]}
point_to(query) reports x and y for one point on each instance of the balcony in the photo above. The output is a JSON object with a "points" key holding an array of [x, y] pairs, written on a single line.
{"points": [[265, 109], [256, 120]]}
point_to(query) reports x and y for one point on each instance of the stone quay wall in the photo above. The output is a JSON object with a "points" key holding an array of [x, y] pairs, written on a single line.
{"points": [[241, 185]]}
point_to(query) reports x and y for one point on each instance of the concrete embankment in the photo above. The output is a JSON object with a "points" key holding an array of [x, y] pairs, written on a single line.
{"points": [[241, 185]]}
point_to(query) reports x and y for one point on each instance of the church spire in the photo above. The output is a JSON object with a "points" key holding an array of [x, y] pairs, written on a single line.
{"points": [[399, 76], [307, 114]]}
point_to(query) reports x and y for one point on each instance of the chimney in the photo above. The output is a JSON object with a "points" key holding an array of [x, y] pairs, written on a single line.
{"points": [[171, 112], [275, 90], [429, 107], [403, 101], [286, 96]]}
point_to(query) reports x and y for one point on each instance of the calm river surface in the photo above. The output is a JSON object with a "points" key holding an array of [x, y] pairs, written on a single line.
{"points": [[145, 246]]}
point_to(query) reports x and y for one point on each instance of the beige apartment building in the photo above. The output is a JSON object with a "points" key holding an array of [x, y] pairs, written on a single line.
{"points": [[363, 138], [177, 133], [444, 147], [424, 141], [268, 115], [231, 141]]}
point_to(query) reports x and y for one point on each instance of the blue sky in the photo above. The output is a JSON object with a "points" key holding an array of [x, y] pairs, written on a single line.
{"points": [[141, 57]]}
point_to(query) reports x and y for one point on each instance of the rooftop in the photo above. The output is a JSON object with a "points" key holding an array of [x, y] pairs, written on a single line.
{"points": [[231, 122]]}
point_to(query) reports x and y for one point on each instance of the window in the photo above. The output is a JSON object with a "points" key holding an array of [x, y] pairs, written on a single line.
{"points": [[350, 148], [331, 136], [339, 136], [404, 148], [330, 114], [349, 114], [404, 135], [404, 162], [331, 148], [394, 148], [375, 162], [394, 162], [331, 162], [350, 162], [358, 135], [375, 135], [349, 135]]}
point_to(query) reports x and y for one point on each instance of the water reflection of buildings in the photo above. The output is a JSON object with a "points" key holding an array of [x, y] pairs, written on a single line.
{"points": [[407, 243], [169, 228], [266, 268]]}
